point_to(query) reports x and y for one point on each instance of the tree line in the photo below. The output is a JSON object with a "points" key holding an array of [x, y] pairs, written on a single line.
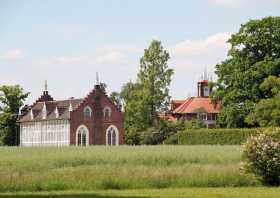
{"points": [[248, 88]]}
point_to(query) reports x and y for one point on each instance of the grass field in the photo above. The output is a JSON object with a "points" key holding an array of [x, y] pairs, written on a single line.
{"points": [[123, 167], [252, 192]]}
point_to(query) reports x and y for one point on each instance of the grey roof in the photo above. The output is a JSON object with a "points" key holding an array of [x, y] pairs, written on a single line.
{"points": [[61, 105]]}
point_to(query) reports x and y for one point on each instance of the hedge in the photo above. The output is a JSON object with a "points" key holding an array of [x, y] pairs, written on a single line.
{"points": [[213, 136]]}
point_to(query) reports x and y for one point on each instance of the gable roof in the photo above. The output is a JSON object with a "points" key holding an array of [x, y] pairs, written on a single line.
{"points": [[167, 116], [192, 104]]}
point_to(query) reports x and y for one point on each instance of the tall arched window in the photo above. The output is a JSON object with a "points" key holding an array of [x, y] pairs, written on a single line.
{"points": [[82, 136], [107, 112], [112, 135], [87, 112]]}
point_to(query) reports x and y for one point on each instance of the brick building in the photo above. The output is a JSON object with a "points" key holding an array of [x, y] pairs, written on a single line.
{"points": [[199, 107], [93, 120]]}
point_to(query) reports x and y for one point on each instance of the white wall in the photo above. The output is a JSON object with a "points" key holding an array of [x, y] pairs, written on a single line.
{"points": [[45, 133]]}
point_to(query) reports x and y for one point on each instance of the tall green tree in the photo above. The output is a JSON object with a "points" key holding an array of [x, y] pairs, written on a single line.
{"points": [[253, 56], [11, 99], [144, 99], [267, 111], [155, 77]]}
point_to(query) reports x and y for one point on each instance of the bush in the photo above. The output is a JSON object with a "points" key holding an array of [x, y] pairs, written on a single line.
{"points": [[160, 132], [215, 136], [262, 157], [173, 139], [152, 136]]}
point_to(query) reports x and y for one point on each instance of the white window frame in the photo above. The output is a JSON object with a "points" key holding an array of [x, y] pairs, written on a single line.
{"points": [[107, 108], [87, 108], [86, 131], [117, 135]]}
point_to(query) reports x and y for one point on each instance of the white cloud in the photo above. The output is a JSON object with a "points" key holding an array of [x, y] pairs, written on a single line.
{"points": [[12, 54], [69, 60], [202, 47], [113, 57], [108, 58]]}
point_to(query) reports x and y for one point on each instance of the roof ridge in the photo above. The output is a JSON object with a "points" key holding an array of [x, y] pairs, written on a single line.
{"points": [[187, 102]]}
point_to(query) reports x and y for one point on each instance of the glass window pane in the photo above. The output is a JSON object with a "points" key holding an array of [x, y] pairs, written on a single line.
{"points": [[113, 137]]}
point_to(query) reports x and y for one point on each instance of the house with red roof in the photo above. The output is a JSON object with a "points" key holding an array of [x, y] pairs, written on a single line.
{"points": [[200, 107]]}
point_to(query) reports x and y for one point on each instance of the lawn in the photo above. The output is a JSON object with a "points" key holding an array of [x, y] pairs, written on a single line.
{"points": [[252, 192], [123, 167]]}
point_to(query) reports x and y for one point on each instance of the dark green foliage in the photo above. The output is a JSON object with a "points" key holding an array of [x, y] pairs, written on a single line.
{"points": [[164, 131], [254, 55], [215, 136], [173, 139], [267, 111], [194, 124], [11, 99], [161, 131]]}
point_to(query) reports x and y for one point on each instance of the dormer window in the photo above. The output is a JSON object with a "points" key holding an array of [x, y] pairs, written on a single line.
{"points": [[44, 111], [56, 112], [107, 112], [31, 115], [70, 107], [87, 112], [206, 91]]}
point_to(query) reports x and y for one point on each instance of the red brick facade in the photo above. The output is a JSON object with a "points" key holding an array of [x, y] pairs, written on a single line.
{"points": [[97, 124]]}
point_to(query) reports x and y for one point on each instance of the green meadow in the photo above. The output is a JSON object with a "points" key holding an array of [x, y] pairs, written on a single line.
{"points": [[244, 192], [123, 167], [127, 171]]}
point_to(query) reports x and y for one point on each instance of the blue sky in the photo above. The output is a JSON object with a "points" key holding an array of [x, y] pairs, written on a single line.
{"points": [[66, 42]]}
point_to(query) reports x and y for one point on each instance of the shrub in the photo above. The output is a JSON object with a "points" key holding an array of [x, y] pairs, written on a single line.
{"points": [[194, 124], [262, 157], [215, 136], [173, 139], [152, 136]]}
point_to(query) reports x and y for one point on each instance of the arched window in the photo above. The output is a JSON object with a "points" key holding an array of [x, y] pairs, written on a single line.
{"points": [[107, 112], [112, 135], [87, 112], [82, 136]]}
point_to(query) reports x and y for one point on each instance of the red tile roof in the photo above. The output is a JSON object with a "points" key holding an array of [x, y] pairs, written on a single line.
{"points": [[167, 116], [176, 103], [191, 105]]}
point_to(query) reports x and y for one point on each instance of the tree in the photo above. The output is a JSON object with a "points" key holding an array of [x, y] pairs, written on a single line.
{"points": [[155, 77], [11, 99], [144, 99], [116, 99], [254, 55], [135, 111], [267, 111]]}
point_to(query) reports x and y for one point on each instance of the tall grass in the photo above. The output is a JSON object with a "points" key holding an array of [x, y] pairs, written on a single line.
{"points": [[123, 167]]}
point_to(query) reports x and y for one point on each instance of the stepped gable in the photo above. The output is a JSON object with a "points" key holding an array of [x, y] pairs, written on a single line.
{"points": [[45, 97], [93, 92]]}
